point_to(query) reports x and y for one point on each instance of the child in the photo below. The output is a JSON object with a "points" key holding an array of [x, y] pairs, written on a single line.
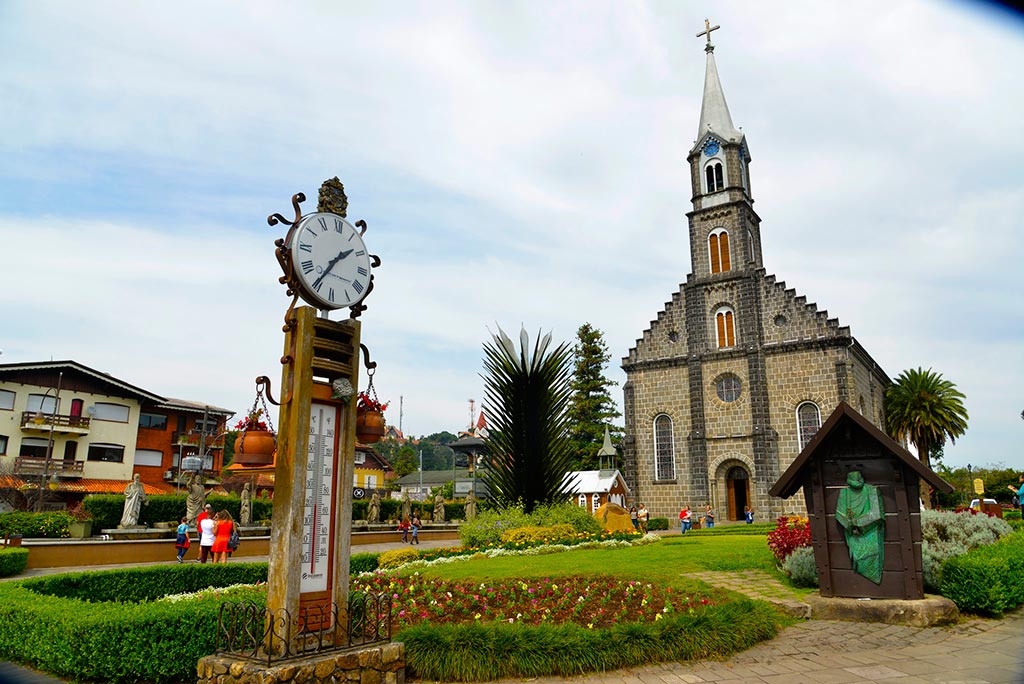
{"points": [[403, 527], [182, 543], [749, 515]]}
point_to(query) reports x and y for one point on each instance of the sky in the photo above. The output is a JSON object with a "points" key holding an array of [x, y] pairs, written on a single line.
{"points": [[519, 164]]}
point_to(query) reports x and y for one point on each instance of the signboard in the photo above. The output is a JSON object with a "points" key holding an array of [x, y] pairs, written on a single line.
{"points": [[979, 486]]}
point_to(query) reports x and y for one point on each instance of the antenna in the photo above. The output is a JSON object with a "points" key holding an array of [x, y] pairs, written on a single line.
{"points": [[472, 413], [401, 412]]}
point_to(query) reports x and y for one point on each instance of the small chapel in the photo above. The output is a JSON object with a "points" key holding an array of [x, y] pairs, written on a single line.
{"points": [[732, 379]]}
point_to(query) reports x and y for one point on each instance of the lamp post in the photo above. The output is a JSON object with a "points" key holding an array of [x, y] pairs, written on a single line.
{"points": [[49, 442], [969, 481]]}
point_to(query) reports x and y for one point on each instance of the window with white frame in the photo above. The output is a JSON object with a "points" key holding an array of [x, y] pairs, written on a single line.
{"points": [[664, 449], [371, 481], [725, 328], [115, 413], [718, 248], [360, 458], [713, 178], [153, 421], [42, 403], [808, 420], [149, 457], [582, 500], [7, 400], [3, 445], [595, 502]]}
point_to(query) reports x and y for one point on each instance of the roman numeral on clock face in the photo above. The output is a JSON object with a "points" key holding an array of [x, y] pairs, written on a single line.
{"points": [[323, 222], [362, 270], [305, 247], [330, 294], [307, 266], [339, 226], [357, 286]]}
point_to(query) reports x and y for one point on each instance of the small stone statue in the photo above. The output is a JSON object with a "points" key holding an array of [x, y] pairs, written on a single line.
{"points": [[196, 499], [245, 513], [373, 515], [406, 505], [134, 498], [861, 513], [439, 508], [470, 506]]}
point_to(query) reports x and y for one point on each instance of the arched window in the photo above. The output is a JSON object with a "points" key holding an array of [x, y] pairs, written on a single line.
{"points": [[725, 327], [718, 244], [595, 503], [664, 450], [808, 420], [713, 178], [582, 500]]}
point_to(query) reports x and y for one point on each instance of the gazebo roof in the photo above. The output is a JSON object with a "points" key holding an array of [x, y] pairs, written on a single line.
{"points": [[837, 427]]}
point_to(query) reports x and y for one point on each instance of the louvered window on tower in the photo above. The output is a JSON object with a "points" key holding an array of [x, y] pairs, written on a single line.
{"points": [[718, 244], [726, 328]]}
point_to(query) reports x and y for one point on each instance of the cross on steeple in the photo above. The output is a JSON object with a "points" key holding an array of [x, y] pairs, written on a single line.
{"points": [[708, 28]]}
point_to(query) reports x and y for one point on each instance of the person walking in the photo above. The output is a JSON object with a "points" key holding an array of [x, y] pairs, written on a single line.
{"points": [[687, 517], [415, 526], [181, 543], [709, 517], [642, 515], [633, 518], [1019, 493], [403, 527], [207, 535], [225, 525]]}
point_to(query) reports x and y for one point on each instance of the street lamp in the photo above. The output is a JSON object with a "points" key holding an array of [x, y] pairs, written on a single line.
{"points": [[49, 442]]}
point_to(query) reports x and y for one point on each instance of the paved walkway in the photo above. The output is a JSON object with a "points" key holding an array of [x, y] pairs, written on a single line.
{"points": [[974, 651]]}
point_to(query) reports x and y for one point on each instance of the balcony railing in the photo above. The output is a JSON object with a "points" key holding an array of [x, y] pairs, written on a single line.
{"points": [[190, 438], [42, 421], [33, 466]]}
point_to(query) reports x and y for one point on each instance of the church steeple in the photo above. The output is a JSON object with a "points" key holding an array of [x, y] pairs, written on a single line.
{"points": [[714, 112]]}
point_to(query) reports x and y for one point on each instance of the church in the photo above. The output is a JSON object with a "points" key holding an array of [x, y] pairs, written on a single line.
{"points": [[738, 371]]}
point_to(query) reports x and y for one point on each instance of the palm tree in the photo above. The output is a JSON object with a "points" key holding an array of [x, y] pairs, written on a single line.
{"points": [[527, 397], [924, 409]]}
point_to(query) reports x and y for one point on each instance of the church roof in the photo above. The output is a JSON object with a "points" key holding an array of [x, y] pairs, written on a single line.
{"points": [[593, 481], [714, 112]]}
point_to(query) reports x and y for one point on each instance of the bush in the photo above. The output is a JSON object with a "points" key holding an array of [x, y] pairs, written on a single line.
{"points": [[578, 517], [392, 559], [801, 568], [534, 534], [13, 560], [790, 533], [988, 580], [657, 524], [49, 525], [945, 535], [486, 529], [106, 509], [363, 562], [754, 529]]}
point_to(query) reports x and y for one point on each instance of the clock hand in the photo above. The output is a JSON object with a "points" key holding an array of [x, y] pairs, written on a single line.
{"points": [[330, 265]]}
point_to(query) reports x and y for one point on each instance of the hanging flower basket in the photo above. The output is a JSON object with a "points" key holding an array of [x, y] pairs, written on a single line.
{"points": [[256, 444], [369, 425]]}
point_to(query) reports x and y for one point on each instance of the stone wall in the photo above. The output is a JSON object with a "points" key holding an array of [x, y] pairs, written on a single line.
{"points": [[381, 664]]}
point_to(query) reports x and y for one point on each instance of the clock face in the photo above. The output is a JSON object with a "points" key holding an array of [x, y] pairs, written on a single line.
{"points": [[711, 148], [329, 260]]}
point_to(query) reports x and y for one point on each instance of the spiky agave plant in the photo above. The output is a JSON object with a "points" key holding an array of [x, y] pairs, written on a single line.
{"points": [[527, 398]]}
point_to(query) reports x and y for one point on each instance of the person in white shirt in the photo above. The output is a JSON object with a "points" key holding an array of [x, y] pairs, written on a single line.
{"points": [[207, 535]]}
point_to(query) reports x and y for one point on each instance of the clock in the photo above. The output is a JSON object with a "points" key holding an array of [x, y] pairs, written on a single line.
{"points": [[330, 265], [711, 148]]}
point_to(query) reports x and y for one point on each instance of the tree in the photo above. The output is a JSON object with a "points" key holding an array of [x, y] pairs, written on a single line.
{"points": [[527, 398], [405, 461], [591, 407], [925, 410]]}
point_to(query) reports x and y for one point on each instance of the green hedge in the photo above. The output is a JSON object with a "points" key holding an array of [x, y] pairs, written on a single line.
{"points": [[988, 580], [51, 524], [13, 560], [657, 524], [363, 562], [106, 509], [483, 652]]}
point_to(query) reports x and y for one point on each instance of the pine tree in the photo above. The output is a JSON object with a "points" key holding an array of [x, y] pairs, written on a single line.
{"points": [[591, 406]]}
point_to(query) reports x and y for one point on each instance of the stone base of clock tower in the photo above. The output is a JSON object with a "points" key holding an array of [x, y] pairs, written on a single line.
{"points": [[379, 664]]}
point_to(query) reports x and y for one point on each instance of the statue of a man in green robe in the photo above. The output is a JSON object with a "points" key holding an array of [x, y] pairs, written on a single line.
{"points": [[861, 513]]}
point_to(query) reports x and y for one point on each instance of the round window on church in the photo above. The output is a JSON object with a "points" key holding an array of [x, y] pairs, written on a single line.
{"points": [[673, 336], [780, 320], [728, 387]]}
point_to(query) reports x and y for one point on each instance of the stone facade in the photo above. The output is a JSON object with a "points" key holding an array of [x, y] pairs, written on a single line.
{"points": [[381, 664], [732, 356]]}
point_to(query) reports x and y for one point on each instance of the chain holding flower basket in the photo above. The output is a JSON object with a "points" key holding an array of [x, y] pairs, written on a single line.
{"points": [[256, 443], [369, 414]]}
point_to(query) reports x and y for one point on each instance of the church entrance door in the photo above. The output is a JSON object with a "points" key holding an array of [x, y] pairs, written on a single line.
{"points": [[737, 486]]}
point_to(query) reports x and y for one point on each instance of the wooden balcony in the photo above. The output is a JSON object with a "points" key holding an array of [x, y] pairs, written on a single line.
{"points": [[34, 421], [30, 466], [191, 439]]}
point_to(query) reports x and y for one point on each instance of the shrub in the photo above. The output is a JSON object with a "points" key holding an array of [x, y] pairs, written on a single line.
{"points": [[533, 534], [363, 562], [51, 525], [13, 560], [988, 580], [790, 533], [945, 535], [578, 517], [801, 568], [754, 529], [657, 524], [392, 559], [486, 529]]}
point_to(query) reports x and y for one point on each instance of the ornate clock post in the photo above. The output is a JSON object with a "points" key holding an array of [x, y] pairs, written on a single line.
{"points": [[308, 617]]}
